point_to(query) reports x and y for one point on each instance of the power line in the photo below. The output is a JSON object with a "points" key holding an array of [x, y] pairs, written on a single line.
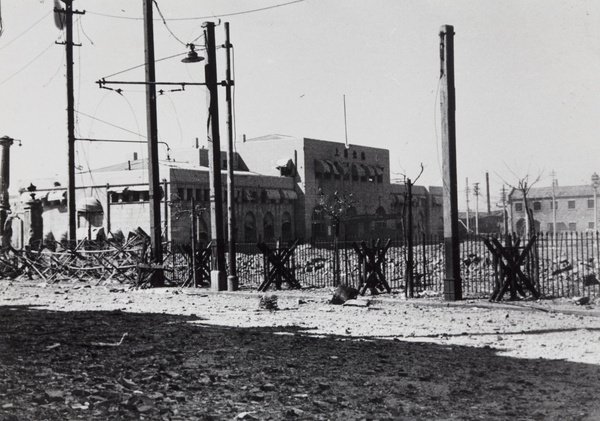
{"points": [[110, 124], [203, 17], [143, 64], [165, 23], [24, 32], [27, 65]]}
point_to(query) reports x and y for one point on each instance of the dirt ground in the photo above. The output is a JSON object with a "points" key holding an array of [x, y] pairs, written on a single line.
{"points": [[76, 351]]}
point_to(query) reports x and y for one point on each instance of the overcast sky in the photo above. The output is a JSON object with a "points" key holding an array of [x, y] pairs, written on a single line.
{"points": [[527, 81]]}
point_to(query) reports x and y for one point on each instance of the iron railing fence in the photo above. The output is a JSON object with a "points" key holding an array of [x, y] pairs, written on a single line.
{"points": [[565, 265], [562, 265]]}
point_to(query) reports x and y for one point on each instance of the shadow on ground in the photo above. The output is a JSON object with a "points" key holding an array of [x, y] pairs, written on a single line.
{"points": [[79, 365]]}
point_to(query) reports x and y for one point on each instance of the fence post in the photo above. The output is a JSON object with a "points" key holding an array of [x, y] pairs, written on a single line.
{"points": [[423, 249]]}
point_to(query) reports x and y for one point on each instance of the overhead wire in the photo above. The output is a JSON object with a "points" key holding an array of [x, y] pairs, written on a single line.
{"points": [[162, 94], [83, 31], [165, 23], [60, 66], [262, 9], [28, 64], [25, 31], [111, 124], [143, 64], [202, 17]]}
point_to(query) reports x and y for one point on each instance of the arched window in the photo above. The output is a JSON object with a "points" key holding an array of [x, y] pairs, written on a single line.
{"points": [[380, 222], [351, 224], [249, 227], [286, 227], [318, 221], [203, 237], [268, 226]]}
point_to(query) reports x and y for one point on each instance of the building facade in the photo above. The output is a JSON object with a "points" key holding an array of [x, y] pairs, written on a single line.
{"points": [[321, 168], [280, 183], [564, 209]]}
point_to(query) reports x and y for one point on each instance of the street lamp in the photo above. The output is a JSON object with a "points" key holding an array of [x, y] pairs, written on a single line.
{"points": [[595, 184], [218, 280], [192, 56]]}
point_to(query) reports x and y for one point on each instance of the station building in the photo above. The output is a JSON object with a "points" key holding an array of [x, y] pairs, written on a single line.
{"points": [[278, 183]]}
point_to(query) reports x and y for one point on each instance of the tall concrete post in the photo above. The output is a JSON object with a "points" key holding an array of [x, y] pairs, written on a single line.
{"points": [[218, 279], [452, 280], [152, 128], [232, 279]]}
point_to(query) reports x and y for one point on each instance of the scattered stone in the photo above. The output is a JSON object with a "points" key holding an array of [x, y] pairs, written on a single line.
{"points": [[321, 404], [258, 397], [294, 412], [268, 387], [53, 395], [128, 384], [343, 293], [324, 386], [268, 302], [581, 301], [246, 416], [140, 403], [357, 303]]}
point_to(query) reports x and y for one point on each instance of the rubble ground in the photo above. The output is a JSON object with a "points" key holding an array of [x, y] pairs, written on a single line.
{"points": [[73, 351]]}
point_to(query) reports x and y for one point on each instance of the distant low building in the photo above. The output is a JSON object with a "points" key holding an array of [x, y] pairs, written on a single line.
{"points": [[572, 208]]}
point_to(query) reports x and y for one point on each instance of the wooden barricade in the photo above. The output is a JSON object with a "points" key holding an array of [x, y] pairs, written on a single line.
{"points": [[511, 278], [370, 262], [277, 266]]}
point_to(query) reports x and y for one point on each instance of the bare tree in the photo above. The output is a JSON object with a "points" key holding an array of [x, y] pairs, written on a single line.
{"points": [[335, 208], [523, 185], [410, 259]]}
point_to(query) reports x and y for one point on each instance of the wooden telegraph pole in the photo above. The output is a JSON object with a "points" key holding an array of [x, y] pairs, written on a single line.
{"points": [[218, 280], [452, 281], [152, 128], [68, 13]]}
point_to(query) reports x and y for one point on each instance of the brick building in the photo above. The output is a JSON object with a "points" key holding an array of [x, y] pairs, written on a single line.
{"points": [[116, 199], [328, 167], [277, 184]]}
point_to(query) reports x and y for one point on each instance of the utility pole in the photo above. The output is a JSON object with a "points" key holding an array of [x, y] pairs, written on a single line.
{"points": [[68, 12], [232, 279], [487, 189], [217, 276], [476, 194], [554, 184], [152, 128], [410, 260], [452, 281], [504, 215], [467, 192]]}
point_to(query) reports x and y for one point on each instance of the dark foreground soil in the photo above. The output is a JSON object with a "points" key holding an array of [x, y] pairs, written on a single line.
{"points": [[68, 365]]}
